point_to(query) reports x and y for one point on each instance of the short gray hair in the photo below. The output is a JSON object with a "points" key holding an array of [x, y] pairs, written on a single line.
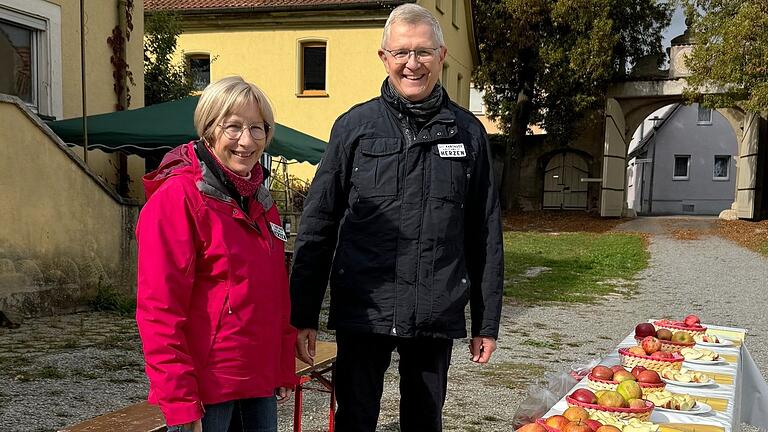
{"points": [[411, 13]]}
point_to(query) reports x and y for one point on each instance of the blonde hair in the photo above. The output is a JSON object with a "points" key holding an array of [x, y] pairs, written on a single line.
{"points": [[225, 96], [411, 13]]}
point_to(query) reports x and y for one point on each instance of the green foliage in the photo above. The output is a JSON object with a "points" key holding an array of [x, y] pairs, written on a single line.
{"points": [[731, 52], [581, 265], [298, 187], [109, 299], [549, 62], [164, 80]]}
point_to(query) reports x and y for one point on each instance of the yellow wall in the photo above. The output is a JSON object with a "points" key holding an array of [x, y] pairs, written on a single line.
{"points": [[268, 56], [56, 218]]}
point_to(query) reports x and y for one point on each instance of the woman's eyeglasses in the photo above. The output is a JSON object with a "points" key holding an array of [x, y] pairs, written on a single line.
{"points": [[233, 131]]}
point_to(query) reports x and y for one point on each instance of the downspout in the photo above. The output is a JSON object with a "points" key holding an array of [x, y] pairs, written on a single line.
{"points": [[122, 98], [653, 170], [82, 81]]}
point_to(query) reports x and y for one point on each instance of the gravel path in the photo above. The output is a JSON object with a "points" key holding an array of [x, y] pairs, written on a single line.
{"points": [[56, 371]]}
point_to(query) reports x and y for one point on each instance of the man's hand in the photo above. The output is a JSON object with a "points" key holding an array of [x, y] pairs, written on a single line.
{"points": [[305, 345], [481, 348], [283, 394]]}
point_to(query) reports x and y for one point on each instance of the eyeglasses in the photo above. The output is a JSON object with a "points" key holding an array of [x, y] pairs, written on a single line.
{"points": [[234, 131], [423, 55]]}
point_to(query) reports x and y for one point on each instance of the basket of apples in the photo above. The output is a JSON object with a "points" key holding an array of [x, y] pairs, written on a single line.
{"points": [[670, 341], [623, 403], [573, 419], [649, 355], [691, 325], [605, 378]]}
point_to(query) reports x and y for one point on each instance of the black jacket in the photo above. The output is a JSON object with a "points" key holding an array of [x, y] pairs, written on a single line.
{"points": [[407, 235]]}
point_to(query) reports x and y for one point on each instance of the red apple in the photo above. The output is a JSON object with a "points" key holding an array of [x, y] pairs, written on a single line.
{"points": [[664, 334], [532, 427], [690, 320], [661, 355], [594, 424], [577, 426], [584, 395], [556, 422], [644, 329], [602, 372], [576, 413], [650, 345], [637, 369], [608, 428], [616, 368], [637, 350], [649, 377]]}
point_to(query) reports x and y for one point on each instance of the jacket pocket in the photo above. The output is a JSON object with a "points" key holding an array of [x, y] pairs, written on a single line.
{"points": [[449, 176], [376, 167]]}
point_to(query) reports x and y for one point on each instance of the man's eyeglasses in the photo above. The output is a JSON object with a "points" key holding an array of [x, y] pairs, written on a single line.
{"points": [[233, 131], [423, 55]]}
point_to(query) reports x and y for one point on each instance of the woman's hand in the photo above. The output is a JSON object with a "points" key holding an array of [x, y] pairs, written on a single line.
{"points": [[283, 394], [195, 426]]}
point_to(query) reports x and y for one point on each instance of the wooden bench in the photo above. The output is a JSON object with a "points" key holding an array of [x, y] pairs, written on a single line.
{"points": [[143, 417]]}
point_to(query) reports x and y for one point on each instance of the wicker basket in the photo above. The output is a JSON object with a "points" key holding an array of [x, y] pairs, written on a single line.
{"points": [[543, 422], [669, 346], [620, 413], [678, 326], [629, 361], [597, 384]]}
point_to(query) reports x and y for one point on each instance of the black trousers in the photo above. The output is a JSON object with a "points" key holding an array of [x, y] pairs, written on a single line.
{"points": [[362, 360]]}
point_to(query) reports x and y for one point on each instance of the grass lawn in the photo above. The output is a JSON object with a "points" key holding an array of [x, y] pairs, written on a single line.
{"points": [[581, 266]]}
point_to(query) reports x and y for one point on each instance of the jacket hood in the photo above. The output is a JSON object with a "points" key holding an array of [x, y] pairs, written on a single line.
{"points": [[174, 162]]}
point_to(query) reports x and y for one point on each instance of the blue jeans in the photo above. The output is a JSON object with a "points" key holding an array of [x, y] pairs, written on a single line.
{"points": [[243, 415]]}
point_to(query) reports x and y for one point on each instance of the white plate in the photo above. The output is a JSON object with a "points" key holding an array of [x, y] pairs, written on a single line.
{"points": [[699, 408], [707, 362], [688, 384], [723, 343]]}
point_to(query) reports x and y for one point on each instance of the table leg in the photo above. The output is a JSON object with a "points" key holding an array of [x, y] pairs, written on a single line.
{"points": [[332, 413], [297, 407]]}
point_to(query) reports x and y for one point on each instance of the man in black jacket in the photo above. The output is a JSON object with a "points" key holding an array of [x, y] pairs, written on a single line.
{"points": [[403, 219]]}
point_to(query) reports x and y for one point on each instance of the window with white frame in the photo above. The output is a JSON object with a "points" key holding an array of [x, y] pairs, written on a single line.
{"points": [[682, 167], [312, 69], [476, 104], [704, 116], [200, 69], [721, 167]]}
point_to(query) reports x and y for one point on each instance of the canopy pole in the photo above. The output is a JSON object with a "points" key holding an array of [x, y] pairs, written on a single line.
{"points": [[82, 81], [288, 204]]}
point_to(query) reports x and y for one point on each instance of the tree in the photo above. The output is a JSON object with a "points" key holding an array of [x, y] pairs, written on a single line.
{"points": [[164, 80], [731, 52], [549, 62]]}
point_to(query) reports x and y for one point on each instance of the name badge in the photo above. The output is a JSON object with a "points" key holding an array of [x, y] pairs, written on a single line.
{"points": [[278, 231], [451, 150]]}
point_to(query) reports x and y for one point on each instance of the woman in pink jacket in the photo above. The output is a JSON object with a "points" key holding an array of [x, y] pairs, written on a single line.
{"points": [[213, 303]]}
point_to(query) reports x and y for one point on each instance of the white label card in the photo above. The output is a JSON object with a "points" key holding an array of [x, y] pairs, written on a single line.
{"points": [[278, 231], [451, 150]]}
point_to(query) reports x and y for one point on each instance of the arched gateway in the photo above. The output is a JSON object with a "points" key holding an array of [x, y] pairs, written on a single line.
{"points": [[630, 102]]}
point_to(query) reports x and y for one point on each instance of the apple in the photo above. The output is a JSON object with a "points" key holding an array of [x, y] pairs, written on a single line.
{"points": [[661, 355], [608, 428], [594, 424], [690, 320], [575, 413], [611, 399], [584, 396], [602, 372], [637, 350], [650, 345], [622, 376], [616, 368], [636, 403], [649, 377], [664, 334], [637, 369], [644, 329], [556, 422], [532, 427], [629, 390], [682, 337], [577, 426], [599, 393]]}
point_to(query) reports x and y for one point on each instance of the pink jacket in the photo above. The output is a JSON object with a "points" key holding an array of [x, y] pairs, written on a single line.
{"points": [[213, 304]]}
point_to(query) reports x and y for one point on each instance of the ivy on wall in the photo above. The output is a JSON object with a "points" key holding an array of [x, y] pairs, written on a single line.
{"points": [[121, 70]]}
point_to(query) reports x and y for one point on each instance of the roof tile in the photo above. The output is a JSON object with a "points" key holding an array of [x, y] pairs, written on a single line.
{"points": [[152, 5]]}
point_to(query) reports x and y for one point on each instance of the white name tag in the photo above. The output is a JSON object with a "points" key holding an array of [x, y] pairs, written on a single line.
{"points": [[451, 150], [278, 231]]}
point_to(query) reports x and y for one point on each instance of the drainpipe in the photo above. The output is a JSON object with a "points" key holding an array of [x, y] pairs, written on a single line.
{"points": [[82, 81], [653, 170], [122, 100]]}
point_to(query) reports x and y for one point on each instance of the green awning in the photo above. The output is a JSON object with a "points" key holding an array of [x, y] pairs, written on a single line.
{"points": [[167, 125]]}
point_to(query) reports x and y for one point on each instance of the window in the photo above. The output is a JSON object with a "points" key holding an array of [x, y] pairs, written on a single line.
{"points": [[17, 74], [720, 171], [682, 164], [476, 104], [200, 68], [312, 78], [704, 117], [455, 13], [439, 6]]}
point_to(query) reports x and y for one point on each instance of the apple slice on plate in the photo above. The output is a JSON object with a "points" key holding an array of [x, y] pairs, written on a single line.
{"points": [[688, 384], [720, 342], [699, 408], [706, 362]]}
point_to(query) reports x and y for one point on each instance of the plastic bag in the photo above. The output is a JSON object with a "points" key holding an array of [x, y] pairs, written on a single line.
{"points": [[547, 391]]}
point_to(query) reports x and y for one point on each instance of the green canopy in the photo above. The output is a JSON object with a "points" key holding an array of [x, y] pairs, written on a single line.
{"points": [[164, 126]]}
